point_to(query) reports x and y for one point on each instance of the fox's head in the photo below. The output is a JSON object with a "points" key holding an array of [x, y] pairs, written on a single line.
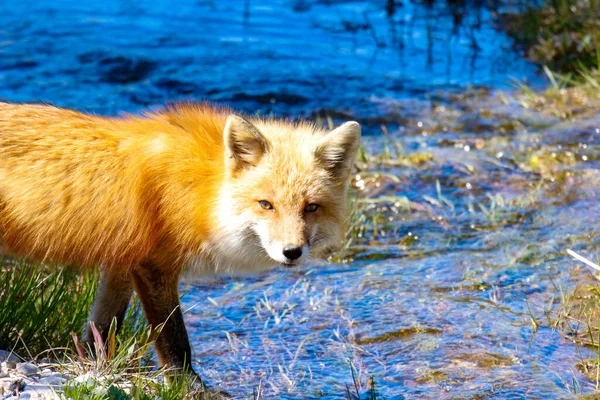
{"points": [[284, 194]]}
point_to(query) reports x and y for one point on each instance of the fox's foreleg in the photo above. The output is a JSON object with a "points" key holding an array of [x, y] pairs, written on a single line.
{"points": [[158, 291]]}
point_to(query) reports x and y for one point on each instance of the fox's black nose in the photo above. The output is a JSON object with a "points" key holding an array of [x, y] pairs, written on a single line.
{"points": [[292, 252]]}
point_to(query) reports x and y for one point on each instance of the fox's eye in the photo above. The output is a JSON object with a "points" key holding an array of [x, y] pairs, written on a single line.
{"points": [[311, 208], [265, 205]]}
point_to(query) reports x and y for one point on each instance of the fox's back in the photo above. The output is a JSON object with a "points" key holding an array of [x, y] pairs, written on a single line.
{"points": [[64, 187], [81, 189]]}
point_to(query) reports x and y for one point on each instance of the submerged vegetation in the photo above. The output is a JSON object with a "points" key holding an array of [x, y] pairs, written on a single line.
{"points": [[564, 36]]}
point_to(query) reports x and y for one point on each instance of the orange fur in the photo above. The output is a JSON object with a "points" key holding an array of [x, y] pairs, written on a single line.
{"points": [[143, 197], [86, 190]]}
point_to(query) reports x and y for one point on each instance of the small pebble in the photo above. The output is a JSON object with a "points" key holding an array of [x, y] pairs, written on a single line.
{"points": [[52, 380]]}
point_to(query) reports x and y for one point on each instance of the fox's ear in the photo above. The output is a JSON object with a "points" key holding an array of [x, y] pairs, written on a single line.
{"points": [[244, 144], [336, 150]]}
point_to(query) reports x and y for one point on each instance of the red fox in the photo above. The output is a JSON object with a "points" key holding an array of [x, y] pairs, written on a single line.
{"points": [[145, 198]]}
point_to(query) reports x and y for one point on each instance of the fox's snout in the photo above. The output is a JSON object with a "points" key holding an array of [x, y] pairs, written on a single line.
{"points": [[286, 253]]}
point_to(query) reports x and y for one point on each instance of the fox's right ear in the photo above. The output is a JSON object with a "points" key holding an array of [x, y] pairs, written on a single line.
{"points": [[244, 144]]}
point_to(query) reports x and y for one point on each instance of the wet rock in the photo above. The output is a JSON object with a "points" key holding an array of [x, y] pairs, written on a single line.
{"points": [[37, 391], [270, 98], [53, 380], [27, 380], [18, 64], [125, 70], [32, 382], [47, 371], [27, 369], [171, 85]]}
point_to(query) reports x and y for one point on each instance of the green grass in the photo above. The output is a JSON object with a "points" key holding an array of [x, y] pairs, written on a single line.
{"points": [[563, 34], [568, 96], [577, 318], [123, 369], [39, 309], [42, 314]]}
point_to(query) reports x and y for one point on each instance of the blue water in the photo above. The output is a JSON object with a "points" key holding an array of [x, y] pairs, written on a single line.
{"points": [[432, 302], [288, 57]]}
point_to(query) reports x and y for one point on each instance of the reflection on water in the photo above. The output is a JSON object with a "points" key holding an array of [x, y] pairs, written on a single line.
{"points": [[288, 57]]}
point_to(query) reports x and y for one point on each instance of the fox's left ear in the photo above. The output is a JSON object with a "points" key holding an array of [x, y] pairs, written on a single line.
{"points": [[244, 144], [336, 150]]}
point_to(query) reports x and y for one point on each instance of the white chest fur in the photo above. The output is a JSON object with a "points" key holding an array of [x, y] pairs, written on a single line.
{"points": [[233, 251]]}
